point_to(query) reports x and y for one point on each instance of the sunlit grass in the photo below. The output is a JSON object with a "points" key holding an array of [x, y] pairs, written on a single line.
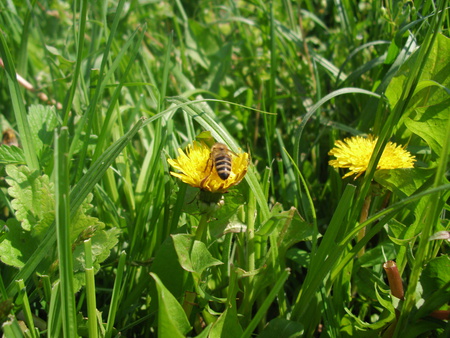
{"points": [[109, 91]]}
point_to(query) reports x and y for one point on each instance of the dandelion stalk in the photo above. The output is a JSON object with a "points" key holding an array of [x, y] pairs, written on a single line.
{"points": [[200, 233], [363, 218]]}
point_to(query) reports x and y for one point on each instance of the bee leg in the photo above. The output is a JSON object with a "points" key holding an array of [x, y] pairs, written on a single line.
{"points": [[210, 171], [207, 162]]}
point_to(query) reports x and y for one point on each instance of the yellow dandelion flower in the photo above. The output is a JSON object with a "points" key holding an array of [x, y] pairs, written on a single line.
{"points": [[354, 153], [196, 168]]}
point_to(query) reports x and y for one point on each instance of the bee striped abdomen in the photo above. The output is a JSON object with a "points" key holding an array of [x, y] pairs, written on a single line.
{"points": [[223, 166]]}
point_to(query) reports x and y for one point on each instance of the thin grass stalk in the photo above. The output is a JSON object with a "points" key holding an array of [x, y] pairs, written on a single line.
{"points": [[90, 290], [249, 287], [11, 328], [22, 64], [3, 292], [63, 231], [26, 307], [109, 115], [116, 295], [88, 117], [322, 262], [80, 33], [18, 106], [47, 288], [260, 314], [307, 203], [54, 321]]}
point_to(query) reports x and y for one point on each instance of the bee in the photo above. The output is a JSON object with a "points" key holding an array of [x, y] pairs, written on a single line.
{"points": [[221, 160], [9, 138]]}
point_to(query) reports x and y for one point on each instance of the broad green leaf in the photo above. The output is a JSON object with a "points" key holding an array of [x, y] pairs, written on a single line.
{"points": [[193, 255], [289, 226], [435, 275], [403, 182], [227, 325], [201, 258], [172, 321], [435, 69], [183, 246], [299, 256], [276, 215], [227, 216], [18, 245], [280, 327], [431, 123], [167, 266], [378, 255], [43, 120], [11, 155], [429, 109]]}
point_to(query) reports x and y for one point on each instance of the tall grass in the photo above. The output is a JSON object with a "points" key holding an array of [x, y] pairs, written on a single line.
{"points": [[99, 239]]}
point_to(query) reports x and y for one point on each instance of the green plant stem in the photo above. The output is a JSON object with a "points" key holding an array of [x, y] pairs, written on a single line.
{"points": [[115, 295], [26, 307], [200, 233], [251, 233], [63, 232], [90, 290], [266, 304]]}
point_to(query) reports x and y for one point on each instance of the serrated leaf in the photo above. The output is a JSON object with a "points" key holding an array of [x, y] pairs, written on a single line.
{"points": [[33, 198], [102, 243], [11, 155], [172, 321], [33, 201]]}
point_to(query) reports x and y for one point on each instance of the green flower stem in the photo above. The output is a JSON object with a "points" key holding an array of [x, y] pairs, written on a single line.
{"points": [[200, 233]]}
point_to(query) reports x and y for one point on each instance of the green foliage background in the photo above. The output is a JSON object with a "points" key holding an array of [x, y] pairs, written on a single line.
{"points": [[98, 239]]}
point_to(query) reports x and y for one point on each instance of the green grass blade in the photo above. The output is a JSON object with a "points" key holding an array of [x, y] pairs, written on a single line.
{"points": [[63, 230], [90, 291], [80, 32], [115, 295], [18, 106]]}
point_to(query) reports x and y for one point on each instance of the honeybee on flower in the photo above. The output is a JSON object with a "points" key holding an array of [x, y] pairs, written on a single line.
{"points": [[213, 169]]}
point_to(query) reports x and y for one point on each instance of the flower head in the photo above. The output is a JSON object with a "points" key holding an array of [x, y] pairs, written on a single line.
{"points": [[198, 171], [355, 152]]}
